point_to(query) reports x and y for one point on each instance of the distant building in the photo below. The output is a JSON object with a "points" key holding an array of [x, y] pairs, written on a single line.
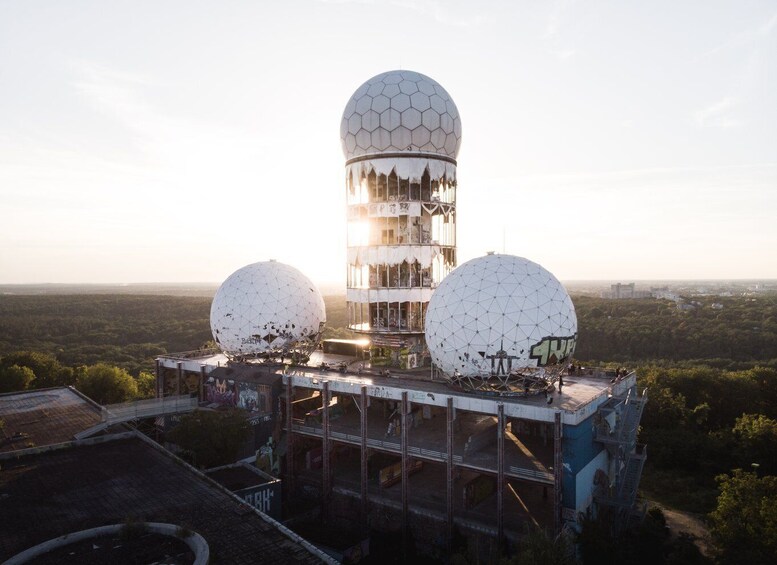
{"points": [[663, 293], [621, 291]]}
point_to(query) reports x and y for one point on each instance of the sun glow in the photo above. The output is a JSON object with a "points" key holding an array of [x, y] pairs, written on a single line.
{"points": [[358, 233]]}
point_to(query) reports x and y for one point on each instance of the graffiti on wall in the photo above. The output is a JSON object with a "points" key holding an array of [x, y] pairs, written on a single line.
{"points": [[169, 383], [552, 350], [190, 382], [220, 391], [252, 398], [265, 498]]}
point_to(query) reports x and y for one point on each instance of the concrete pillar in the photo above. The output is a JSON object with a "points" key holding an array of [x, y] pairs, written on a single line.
{"points": [[179, 364], [449, 472], [289, 437], [405, 408], [500, 472], [364, 402], [558, 470], [326, 462], [203, 378], [160, 385]]}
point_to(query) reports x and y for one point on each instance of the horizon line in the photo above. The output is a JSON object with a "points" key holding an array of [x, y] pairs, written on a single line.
{"points": [[330, 283]]}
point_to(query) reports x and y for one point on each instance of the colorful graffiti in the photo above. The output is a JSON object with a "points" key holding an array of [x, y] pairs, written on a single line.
{"points": [[251, 397], [220, 391], [553, 350]]}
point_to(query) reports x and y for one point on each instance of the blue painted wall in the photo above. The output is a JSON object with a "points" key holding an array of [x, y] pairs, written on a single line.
{"points": [[579, 448]]}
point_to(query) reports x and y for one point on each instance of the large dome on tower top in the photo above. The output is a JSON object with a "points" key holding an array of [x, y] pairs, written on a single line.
{"points": [[400, 111]]}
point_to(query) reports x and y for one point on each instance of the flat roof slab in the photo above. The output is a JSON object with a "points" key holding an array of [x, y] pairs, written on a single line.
{"points": [[579, 399], [54, 492], [581, 394], [44, 417]]}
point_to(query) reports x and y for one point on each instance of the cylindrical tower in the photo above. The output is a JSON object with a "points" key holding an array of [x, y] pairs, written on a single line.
{"points": [[401, 133]]}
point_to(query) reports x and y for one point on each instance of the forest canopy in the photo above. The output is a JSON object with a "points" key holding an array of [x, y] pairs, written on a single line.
{"points": [[129, 331]]}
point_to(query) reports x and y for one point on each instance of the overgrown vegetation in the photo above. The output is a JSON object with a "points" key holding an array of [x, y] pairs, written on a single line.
{"points": [[744, 524], [209, 438], [701, 422], [102, 383], [647, 543]]}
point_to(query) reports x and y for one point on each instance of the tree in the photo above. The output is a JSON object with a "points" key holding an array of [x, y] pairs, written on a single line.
{"points": [[213, 438], [48, 371], [646, 543], [15, 378], [146, 385], [107, 385], [756, 441], [538, 548], [744, 524]]}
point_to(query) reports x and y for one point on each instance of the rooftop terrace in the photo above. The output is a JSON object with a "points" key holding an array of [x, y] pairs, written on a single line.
{"points": [[581, 394]]}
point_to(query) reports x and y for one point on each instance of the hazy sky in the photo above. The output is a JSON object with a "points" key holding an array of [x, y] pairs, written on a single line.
{"points": [[165, 141]]}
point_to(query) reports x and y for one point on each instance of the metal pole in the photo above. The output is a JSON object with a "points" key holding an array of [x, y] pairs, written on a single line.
{"points": [[403, 424], [449, 473], [500, 471], [289, 437], [364, 402], [558, 468], [327, 477]]}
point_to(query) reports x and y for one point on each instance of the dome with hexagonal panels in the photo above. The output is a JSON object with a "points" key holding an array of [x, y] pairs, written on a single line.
{"points": [[501, 324], [400, 111], [267, 308]]}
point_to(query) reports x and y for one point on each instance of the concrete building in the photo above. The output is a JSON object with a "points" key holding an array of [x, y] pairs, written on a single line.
{"points": [[53, 484], [406, 452]]}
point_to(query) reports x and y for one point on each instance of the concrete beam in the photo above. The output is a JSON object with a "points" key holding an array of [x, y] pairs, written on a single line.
{"points": [[449, 472], [558, 471], [500, 472], [405, 409], [468, 402], [363, 415]]}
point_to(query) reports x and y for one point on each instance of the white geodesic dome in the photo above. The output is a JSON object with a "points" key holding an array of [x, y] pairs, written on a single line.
{"points": [[400, 111], [267, 308], [500, 323]]}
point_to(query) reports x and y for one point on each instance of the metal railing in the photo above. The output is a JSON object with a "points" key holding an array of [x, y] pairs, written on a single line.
{"points": [[115, 413], [194, 354], [150, 408]]}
